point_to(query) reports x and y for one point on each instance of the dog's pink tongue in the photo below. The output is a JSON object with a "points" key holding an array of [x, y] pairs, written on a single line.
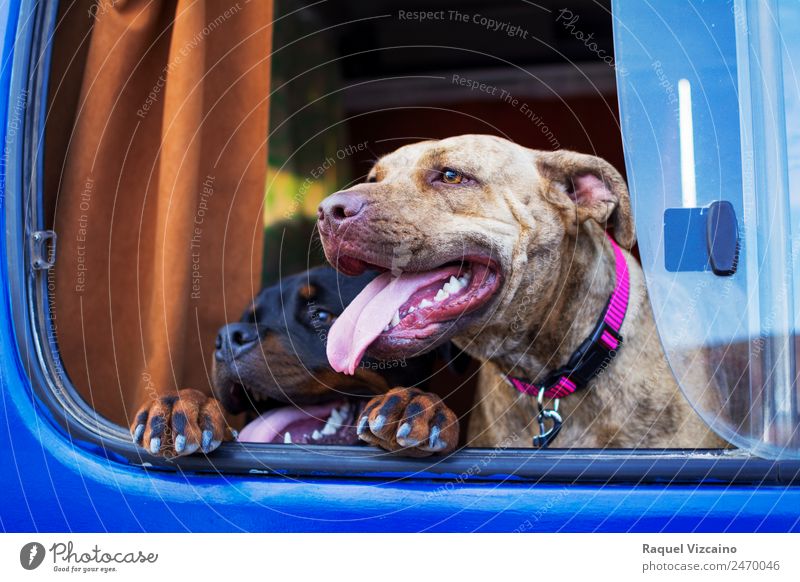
{"points": [[370, 312], [340, 336]]}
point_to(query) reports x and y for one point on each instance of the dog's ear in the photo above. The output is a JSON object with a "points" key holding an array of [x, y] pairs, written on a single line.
{"points": [[592, 187]]}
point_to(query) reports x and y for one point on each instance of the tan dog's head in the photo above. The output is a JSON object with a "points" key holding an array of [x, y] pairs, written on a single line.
{"points": [[479, 227]]}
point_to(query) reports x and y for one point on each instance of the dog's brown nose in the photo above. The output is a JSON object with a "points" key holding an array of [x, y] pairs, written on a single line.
{"points": [[338, 208]]}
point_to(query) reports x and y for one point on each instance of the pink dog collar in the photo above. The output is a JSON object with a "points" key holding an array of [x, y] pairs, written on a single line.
{"points": [[597, 351]]}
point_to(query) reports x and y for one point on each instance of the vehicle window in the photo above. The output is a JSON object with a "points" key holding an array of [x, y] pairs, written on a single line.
{"points": [[694, 112], [335, 107]]}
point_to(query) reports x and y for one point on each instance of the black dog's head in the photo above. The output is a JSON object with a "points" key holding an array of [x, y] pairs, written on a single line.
{"points": [[276, 352]]}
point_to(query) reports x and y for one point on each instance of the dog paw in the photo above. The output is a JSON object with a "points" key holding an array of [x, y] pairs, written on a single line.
{"points": [[409, 421], [172, 426]]}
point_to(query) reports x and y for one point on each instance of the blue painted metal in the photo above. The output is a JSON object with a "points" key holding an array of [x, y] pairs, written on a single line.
{"points": [[52, 482]]}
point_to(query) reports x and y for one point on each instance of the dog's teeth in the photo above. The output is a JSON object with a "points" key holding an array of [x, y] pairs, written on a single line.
{"points": [[287, 438], [395, 319], [316, 435], [386, 328], [425, 303], [441, 295], [411, 309], [453, 286], [464, 280], [334, 423]]}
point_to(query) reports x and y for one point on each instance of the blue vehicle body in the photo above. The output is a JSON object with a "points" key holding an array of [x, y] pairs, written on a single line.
{"points": [[54, 480]]}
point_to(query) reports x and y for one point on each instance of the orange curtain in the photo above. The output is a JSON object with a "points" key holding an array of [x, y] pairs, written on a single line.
{"points": [[156, 164]]}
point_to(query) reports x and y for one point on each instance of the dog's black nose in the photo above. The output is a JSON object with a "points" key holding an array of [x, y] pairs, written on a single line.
{"points": [[338, 208], [235, 339]]}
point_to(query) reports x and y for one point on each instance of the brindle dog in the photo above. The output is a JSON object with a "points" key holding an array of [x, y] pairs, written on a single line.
{"points": [[504, 250]]}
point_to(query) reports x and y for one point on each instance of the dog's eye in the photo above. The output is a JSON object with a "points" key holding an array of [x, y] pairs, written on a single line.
{"points": [[323, 317], [451, 176], [371, 179]]}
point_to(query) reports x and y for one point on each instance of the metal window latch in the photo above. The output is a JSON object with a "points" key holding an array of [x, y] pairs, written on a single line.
{"points": [[43, 249]]}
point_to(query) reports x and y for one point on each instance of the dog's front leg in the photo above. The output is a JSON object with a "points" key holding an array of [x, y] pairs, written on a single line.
{"points": [[409, 421], [172, 426]]}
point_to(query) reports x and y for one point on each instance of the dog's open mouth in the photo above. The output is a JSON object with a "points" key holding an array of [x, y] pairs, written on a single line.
{"points": [[408, 313], [331, 423]]}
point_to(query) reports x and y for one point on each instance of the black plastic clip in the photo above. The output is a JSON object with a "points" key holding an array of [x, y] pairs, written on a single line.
{"points": [[722, 238]]}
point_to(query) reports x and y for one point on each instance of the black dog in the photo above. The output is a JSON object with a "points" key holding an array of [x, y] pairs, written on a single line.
{"points": [[271, 366], [276, 354]]}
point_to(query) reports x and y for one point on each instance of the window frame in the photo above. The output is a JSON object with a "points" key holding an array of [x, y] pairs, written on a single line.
{"points": [[79, 423]]}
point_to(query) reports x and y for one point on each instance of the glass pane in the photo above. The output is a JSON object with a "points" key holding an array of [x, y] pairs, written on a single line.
{"points": [[707, 89]]}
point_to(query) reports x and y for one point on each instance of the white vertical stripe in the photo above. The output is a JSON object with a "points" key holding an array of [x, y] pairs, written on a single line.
{"points": [[688, 183]]}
